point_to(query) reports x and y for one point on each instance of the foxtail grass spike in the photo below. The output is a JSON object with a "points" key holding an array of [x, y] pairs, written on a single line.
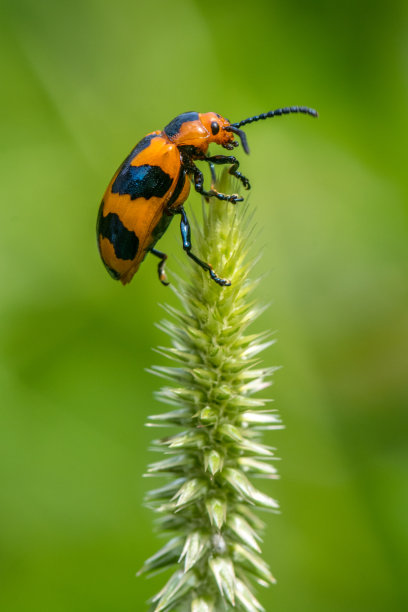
{"points": [[207, 504]]}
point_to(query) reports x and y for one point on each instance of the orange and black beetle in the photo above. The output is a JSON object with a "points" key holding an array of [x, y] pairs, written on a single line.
{"points": [[152, 184]]}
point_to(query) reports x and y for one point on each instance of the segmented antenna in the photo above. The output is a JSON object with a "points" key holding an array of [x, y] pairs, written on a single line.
{"points": [[276, 113]]}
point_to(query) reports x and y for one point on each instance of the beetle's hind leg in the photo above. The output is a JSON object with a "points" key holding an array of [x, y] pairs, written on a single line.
{"points": [[228, 159], [186, 236], [160, 267]]}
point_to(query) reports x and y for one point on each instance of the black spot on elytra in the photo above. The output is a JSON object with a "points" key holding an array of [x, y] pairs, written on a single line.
{"points": [[142, 182], [174, 126], [124, 242]]}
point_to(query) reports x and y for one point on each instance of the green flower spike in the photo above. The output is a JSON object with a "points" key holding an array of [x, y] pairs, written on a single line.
{"points": [[208, 501]]}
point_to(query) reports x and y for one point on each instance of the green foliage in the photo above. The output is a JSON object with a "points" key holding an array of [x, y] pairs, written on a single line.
{"points": [[209, 499]]}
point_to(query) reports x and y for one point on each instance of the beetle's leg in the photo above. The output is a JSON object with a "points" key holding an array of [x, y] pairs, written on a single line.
{"points": [[160, 267], [213, 175], [198, 183], [229, 159], [213, 179], [186, 236]]}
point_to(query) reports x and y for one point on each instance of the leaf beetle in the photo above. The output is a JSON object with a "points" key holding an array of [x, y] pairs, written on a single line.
{"points": [[153, 182]]}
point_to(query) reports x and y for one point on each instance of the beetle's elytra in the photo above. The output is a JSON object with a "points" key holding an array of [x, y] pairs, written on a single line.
{"points": [[152, 184]]}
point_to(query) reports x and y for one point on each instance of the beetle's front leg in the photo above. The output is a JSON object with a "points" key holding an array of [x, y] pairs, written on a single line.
{"points": [[213, 179], [213, 175], [198, 184], [229, 159], [186, 236]]}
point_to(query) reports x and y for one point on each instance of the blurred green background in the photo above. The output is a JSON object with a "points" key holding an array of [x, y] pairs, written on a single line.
{"points": [[82, 82]]}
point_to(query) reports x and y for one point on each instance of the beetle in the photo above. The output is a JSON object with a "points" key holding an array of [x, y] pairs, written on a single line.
{"points": [[153, 182]]}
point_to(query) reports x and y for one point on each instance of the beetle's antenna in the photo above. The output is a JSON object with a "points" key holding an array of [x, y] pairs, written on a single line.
{"points": [[276, 113], [241, 134]]}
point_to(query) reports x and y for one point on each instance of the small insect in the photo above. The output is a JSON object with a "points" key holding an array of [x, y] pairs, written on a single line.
{"points": [[152, 184]]}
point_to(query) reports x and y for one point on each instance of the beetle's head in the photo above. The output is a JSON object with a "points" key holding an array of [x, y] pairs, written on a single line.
{"points": [[221, 132], [199, 130]]}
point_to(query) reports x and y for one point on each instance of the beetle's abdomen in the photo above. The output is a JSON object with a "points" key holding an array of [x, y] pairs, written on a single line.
{"points": [[135, 202]]}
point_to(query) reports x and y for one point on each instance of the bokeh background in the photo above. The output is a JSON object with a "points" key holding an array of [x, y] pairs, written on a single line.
{"points": [[81, 83]]}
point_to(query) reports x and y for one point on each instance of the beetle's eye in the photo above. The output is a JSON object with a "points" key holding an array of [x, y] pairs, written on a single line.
{"points": [[215, 128]]}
